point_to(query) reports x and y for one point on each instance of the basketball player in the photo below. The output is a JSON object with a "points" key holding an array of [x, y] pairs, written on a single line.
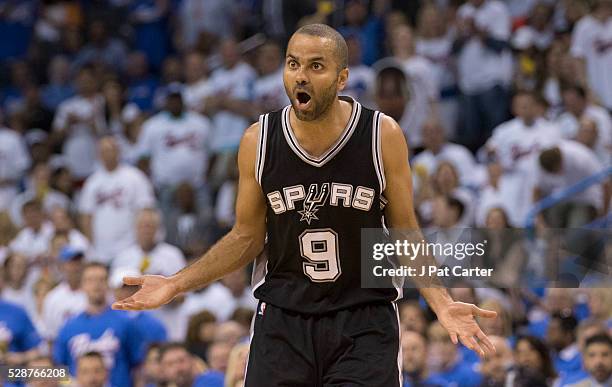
{"points": [[312, 175]]}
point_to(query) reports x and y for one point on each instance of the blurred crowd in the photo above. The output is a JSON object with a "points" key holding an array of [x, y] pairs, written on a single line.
{"points": [[120, 122]]}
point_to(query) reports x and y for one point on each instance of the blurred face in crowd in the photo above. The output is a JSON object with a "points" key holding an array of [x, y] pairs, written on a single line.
{"points": [[496, 219], [185, 197], [62, 180], [60, 219], [431, 22], [91, 372], [72, 271], [527, 356], [355, 12], [172, 70], [433, 135], [147, 225], [524, 106], [600, 302], [86, 82], [574, 102], [229, 332], [495, 366], [494, 326], [587, 133], [218, 355], [446, 178], [269, 58], [559, 299], [312, 75], [236, 282], [195, 67], [598, 361], [95, 285], [230, 53], [113, 93], [152, 369], [354, 51], [32, 216], [41, 175], [174, 104], [391, 93], [177, 366], [59, 70], [41, 362], [109, 153], [557, 337], [412, 318], [402, 43], [443, 352], [137, 65], [414, 352], [97, 32], [540, 16], [17, 269], [585, 333]]}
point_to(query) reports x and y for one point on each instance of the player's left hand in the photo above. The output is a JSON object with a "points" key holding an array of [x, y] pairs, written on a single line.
{"points": [[459, 320]]}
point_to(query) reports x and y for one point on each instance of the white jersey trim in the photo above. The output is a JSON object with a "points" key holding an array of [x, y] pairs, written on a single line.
{"points": [[377, 151], [333, 150], [261, 147]]}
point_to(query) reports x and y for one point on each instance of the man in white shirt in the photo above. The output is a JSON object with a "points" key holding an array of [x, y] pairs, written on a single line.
{"points": [[33, 240], [438, 149], [78, 122], [14, 161], [515, 144], [66, 299], [149, 255], [197, 85], [577, 108], [484, 68], [110, 200], [592, 46], [561, 167]]}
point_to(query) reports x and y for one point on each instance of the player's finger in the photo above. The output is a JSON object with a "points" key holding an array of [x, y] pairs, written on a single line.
{"points": [[476, 311], [453, 337], [473, 345], [132, 281], [486, 342]]}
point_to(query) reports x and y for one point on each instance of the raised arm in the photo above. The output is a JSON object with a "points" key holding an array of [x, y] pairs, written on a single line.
{"points": [[239, 247], [456, 317]]}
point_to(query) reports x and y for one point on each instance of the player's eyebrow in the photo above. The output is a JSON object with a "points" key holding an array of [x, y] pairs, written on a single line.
{"points": [[313, 59]]}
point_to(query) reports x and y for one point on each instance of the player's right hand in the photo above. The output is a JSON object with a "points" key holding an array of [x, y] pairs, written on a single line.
{"points": [[155, 291]]}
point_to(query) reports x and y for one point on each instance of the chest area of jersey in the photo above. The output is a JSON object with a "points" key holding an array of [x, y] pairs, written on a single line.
{"points": [[308, 202]]}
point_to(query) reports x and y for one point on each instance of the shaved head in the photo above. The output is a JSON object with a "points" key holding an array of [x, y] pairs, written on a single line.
{"points": [[325, 31]]}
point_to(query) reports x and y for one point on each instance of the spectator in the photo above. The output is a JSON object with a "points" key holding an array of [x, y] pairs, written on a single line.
{"points": [[434, 41], [514, 144], [151, 371], [176, 143], [597, 362], [91, 370], [229, 332], [600, 305], [41, 361], [422, 86], [33, 240], [484, 68], [228, 104], [561, 337], [268, 89], [561, 167], [412, 317], [150, 21], [360, 84], [141, 83], [78, 121], [112, 196], [438, 149], [150, 255], [367, 26], [236, 366], [197, 84], [533, 362], [171, 73], [14, 161], [578, 108], [102, 48], [218, 356], [445, 357], [17, 334], [19, 280], [58, 89], [590, 45], [67, 299], [150, 329], [560, 69], [100, 329], [200, 333], [62, 224], [495, 368], [178, 367], [215, 19], [414, 362], [391, 91]]}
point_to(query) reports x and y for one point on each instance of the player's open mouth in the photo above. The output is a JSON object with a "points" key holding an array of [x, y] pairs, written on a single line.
{"points": [[303, 99]]}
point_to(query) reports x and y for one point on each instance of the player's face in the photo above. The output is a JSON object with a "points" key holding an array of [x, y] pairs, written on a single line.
{"points": [[598, 361], [311, 76]]}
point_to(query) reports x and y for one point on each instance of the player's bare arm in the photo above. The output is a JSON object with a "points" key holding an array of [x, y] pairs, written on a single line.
{"points": [[239, 247], [456, 317]]}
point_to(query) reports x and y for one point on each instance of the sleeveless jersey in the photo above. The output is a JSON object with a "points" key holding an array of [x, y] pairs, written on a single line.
{"points": [[316, 208]]}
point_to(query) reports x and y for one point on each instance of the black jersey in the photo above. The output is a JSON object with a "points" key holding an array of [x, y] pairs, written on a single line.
{"points": [[316, 208]]}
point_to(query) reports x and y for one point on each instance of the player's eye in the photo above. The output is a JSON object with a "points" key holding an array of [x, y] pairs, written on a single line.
{"points": [[292, 64], [317, 66]]}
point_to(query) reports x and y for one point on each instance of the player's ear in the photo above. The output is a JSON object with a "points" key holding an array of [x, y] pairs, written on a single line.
{"points": [[342, 78]]}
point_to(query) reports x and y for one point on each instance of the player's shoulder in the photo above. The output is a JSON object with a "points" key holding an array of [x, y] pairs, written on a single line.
{"points": [[390, 130]]}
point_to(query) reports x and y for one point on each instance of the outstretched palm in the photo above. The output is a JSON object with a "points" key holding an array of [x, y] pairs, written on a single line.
{"points": [[458, 319], [155, 291]]}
